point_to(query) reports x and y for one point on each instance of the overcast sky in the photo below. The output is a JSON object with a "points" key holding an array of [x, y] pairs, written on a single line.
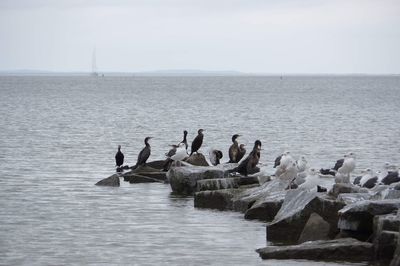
{"points": [[263, 36]]}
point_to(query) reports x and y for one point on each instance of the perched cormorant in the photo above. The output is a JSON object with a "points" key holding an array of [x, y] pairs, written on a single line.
{"points": [[119, 157], [242, 152], [198, 140], [234, 150], [215, 156], [144, 153], [248, 165], [184, 139]]}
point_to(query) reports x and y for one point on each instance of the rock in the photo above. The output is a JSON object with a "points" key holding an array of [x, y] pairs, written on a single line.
{"points": [[145, 174], [340, 188], [159, 165], [136, 178], [316, 228], [266, 200], [183, 180], [345, 249], [247, 180], [112, 181], [349, 198], [396, 256], [216, 183], [197, 159], [386, 233], [359, 216], [215, 199], [296, 210]]}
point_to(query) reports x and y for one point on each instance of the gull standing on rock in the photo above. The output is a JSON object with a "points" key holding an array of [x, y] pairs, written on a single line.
{"points": [[349, 164], [180, 153], [285, 161], [311, 181], [388, 177], [368, 180]]}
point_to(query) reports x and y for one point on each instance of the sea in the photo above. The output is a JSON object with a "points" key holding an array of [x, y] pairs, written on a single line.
{"points": [[59, 135]]}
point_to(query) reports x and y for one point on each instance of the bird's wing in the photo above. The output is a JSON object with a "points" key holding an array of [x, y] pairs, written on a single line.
{"points": [[339, 163]]}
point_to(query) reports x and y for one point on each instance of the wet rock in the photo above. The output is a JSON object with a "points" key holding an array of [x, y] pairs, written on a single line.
{"points": [[359, 216], [396, 256], [136, 178], [349, 198], [247, 180], [112, 181], [296, 210], [197, 159], [386, 233], [346, 249], [145, 174], [340, 188], [215, 199], [316, 228], [183, 180], [265, 200], [216, 183]]}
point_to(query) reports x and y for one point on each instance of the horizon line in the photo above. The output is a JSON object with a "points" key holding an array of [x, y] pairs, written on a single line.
{"points": [[186, 72]]}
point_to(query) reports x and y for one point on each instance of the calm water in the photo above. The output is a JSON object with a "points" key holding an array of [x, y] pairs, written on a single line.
{"points": [[59, 135]]}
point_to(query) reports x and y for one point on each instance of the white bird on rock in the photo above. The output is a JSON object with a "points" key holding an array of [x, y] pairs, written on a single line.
{"points": [[312, 181], [349, 164]]}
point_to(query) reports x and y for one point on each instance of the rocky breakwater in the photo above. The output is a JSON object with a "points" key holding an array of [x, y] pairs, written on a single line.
{"points": [[352, 223], [348, 223], [149, 173]]}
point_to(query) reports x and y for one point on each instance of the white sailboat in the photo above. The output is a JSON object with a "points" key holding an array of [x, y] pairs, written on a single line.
{"points": [[94, 66]]}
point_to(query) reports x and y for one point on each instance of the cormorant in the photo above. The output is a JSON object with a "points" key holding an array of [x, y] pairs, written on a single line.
{"points": [[198, 140], [242, 152], [184, 139], [234, 150], [144, 153], [119, 157], [248, 165], [215, 156]]}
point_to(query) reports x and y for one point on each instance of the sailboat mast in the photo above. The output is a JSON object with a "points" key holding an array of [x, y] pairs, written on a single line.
{"points": [[94, 66]]}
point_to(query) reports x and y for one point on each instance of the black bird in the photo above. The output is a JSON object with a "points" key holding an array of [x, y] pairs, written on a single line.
{"points": [[144, 153], [119, 157], [242, 152], [234, 150], [184, 139], [248, 165], [198, 140]]}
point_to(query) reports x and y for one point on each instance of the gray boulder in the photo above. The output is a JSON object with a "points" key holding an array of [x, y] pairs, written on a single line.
{"points": [[316, 228], [183, 180], [266, 200], [112, 181], [385, 236], [359, 216], [340, 188], [216, 183], [197, 159], [345, 249], [296, 210]]}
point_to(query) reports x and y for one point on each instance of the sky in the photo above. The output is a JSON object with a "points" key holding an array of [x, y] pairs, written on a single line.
{"points": [[251, 36]]}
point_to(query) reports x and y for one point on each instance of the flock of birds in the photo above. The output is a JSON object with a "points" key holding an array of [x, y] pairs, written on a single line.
{"points": [[286, 167]]}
